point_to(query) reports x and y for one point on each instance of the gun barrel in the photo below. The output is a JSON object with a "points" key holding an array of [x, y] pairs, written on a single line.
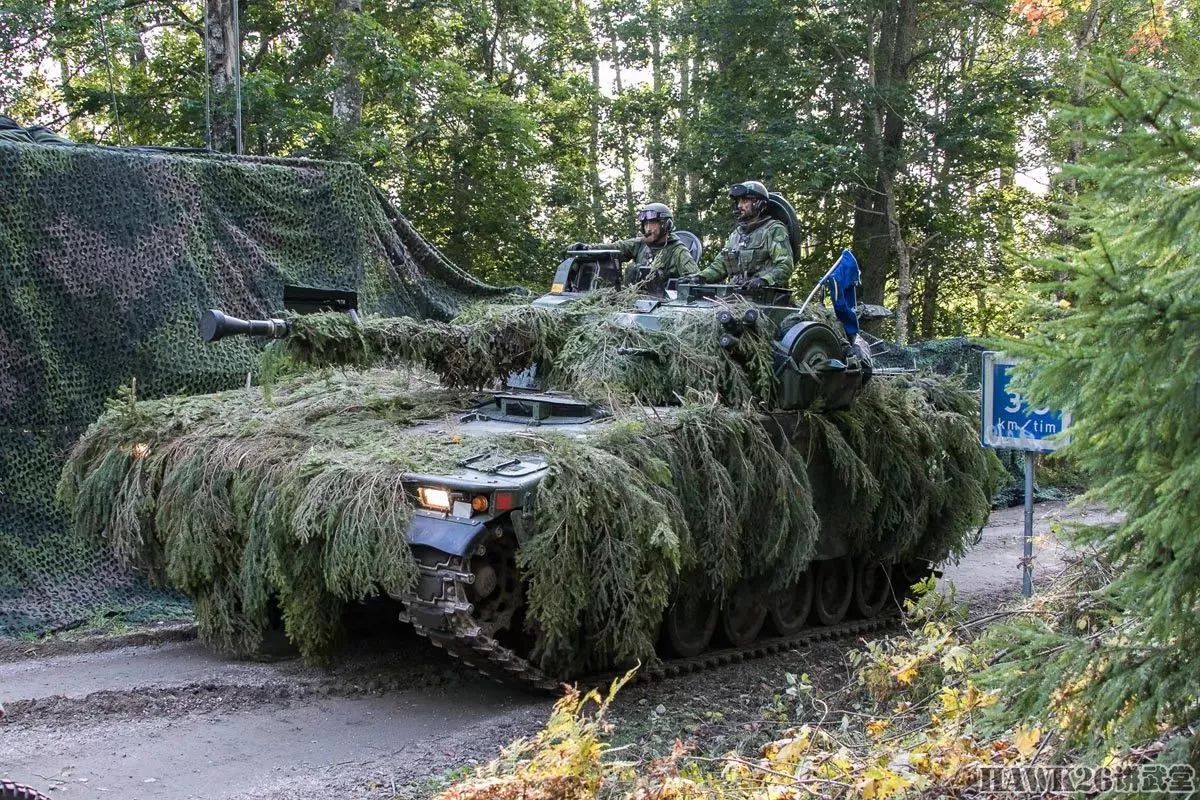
{"points": [[216, 324]]}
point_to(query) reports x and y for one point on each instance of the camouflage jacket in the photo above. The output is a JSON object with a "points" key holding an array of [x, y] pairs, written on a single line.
{"points": [[759, 249], [671, 260]]}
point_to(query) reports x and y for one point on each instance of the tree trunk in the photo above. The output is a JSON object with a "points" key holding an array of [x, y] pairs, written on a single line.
{"points": [[685, 87], [594, 149], [889, 62], [623, 132], [222, 54], [929, 298], [981, 307], [64, 67], [693, 118], [658, 184], [1084, 38], [903, 265], [348, 96]]}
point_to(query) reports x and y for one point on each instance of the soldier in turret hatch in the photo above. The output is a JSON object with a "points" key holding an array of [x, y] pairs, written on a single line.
{"points": [[658, 254], [758, 252]]}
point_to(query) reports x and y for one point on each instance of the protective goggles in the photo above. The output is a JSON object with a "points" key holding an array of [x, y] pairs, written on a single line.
{"points": [[647, 214], [741, 190]]}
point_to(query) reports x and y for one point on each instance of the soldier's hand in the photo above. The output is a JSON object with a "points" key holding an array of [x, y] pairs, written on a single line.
{"points": [[754, 284]]}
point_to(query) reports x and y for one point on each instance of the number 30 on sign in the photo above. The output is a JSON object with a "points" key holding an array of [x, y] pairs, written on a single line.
{"points": [[1007, 420]]}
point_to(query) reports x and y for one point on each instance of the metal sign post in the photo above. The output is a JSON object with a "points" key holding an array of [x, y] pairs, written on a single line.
{"points": [[1007, 422]]}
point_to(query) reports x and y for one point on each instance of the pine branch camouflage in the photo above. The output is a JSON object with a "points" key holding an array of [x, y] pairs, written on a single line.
{"points": [[293, 490]]}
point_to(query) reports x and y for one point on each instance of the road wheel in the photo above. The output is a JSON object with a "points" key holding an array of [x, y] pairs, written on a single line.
{"points": [[872, 587], [743, 616], [689, 625], [833, 589], [789, 608]]}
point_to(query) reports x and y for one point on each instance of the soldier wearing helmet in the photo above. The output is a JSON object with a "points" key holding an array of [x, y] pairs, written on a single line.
{"points": [[658, 254], [759, 252]]}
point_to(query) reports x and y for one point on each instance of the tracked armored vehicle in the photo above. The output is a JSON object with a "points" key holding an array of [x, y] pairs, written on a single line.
{"points": [[471, 522]]}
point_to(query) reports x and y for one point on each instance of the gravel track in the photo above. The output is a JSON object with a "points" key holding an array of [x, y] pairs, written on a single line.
{"points": [[165, 719]]}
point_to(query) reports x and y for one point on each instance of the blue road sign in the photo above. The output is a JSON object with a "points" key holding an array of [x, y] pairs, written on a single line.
{"points": [[1007, 420]]}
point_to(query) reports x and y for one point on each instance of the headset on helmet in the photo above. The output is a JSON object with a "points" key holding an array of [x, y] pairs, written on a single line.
{"points": [[752, 189]]}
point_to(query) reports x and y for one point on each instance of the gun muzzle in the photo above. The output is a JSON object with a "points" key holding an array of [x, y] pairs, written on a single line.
{"points": [[726, 320], [216, 324]]}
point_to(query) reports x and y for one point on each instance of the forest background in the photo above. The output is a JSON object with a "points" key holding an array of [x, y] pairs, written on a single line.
{"points": [[927, 136]]}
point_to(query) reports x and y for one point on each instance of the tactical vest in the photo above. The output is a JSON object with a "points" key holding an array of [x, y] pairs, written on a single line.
{"points": [[747, 252]]}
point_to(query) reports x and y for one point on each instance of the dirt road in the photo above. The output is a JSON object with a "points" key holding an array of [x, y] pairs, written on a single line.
{"points": [[174, 721]]}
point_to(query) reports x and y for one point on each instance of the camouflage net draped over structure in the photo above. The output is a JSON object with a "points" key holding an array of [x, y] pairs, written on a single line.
{"points": [[293, 489], [107, 256]]}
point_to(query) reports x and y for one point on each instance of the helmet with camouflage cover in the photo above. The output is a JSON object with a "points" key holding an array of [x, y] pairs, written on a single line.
{"points": [[756, 192], [656, 211]]}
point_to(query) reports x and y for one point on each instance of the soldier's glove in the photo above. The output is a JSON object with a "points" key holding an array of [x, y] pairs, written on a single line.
{"points": [[754, 284], [577, 246]]}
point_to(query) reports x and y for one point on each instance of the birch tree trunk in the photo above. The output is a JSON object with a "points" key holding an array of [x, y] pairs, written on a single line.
{"points": [[903, 265], [221, 50], [348, 96]]}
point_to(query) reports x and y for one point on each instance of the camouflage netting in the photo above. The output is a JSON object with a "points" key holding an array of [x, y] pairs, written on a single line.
{"points": [[959, 356], [106, 258]]}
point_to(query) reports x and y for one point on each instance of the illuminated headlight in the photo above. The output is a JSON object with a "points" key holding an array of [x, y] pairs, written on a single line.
{"points": [[437, 499]]}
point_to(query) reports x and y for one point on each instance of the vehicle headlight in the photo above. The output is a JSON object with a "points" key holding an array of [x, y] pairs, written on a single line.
{"points": [[437, 499]]}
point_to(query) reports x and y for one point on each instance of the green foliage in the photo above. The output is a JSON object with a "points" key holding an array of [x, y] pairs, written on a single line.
{"points": [[297, 496], [238, 503], [579, 348], [874, 445], [485, 347], [1124, 355], [702, 492]]}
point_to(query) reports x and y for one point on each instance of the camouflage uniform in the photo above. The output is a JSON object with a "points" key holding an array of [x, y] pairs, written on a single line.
{"points": [[758, 249], [670, 260]]}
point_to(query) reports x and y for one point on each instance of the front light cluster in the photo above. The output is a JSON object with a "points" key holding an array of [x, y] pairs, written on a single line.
{"points": [[461, 504]]}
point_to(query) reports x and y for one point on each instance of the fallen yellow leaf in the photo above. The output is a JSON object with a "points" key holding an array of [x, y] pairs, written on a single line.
{"points": [[1027, 740]]}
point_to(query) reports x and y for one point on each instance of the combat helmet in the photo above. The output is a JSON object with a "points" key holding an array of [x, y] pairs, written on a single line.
{"points": [[752, 189], [658, 211]]}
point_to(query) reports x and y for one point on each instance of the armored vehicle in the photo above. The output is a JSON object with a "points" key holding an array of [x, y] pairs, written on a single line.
{"points": [[471, 522]]}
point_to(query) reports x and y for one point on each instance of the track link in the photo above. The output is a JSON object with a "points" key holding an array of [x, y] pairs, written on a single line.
{"points": [[15, 791], [461, 637], [762, 648], [440, 609]]}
